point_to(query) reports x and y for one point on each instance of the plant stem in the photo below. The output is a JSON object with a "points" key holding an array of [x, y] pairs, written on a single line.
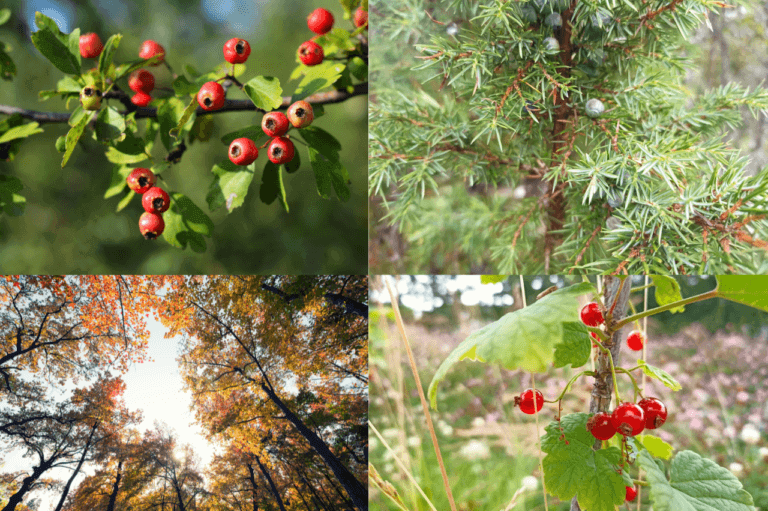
{"points": [[669, 306]]}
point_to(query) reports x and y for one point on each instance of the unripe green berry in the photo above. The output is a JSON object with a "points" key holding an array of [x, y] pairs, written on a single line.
{"points": [[595, 108], [90, 98], [551, 44], [554, 20]]}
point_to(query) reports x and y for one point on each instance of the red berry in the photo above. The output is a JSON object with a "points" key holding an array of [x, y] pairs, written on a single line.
{"points": [[151, 225], [631, 493], [141, 99], [591, 314], [280, 150], [211, 96], [628, 419], [301, 114], [275, 124], [361, 18], [236, 51], [141, 80], [140, 180], [320, 21], [310, 53], [526, 401], [242, 151], [90, 46], [655, 412], [151, 48], [601, 426], [155, 200], [635, 340]]}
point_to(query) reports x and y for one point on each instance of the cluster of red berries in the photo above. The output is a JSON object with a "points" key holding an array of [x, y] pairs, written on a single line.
{"points": [[628, 419], [212, 95], [591, 315], [320, 21], [142, 82], [154, 199]]}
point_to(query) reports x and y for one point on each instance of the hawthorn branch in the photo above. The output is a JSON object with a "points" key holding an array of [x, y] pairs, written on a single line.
{"points": [[231, 105]]}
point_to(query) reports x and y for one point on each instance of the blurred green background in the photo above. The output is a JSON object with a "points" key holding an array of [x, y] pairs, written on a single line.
{"points": [[69, 227]]}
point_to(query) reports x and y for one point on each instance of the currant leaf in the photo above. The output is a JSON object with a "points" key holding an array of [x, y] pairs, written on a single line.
{"points": [[661, 375], [657, 447], [493, 279], [749, 291], [667, 290], [575, 347]]}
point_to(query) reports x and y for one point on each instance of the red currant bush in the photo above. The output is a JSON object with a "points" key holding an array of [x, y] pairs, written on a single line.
{"points": [[628, 419], [236, 51], [90, 46], [631, 494], [211, 96], [655, 412], [601, 426], [155, 200], [151, 225], [311, 53], [275, 124], [526, 401], [301, 114], [151, 49], [280, 150], [320, 21], [242, 151], [591, 315], [635, 340]]}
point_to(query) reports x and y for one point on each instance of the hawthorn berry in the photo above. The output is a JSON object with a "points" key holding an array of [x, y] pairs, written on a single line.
{"points": [[311, 53], [141, 80], [211, 96], [631, 493], [601, 426], [140, 180], [628, 419], [90, 98], [525, 400], [155, 200], [655, 412], [242, 151], [141, 99], [361, 18], [591, 315], [595, 108], [236, 50], [275, 124], [280, 150], [151, 225], [301, 114], [320, 21], [90, 46], [635, 340], [150, 48]]}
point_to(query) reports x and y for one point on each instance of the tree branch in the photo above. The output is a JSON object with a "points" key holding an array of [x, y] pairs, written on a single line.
{"points": [[231, 105]]}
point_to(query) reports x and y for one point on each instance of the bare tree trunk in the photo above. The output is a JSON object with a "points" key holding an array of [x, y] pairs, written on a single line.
{"points": [[26, 484], [115, 487], [77, 469], [271, 483], [254, 487]]}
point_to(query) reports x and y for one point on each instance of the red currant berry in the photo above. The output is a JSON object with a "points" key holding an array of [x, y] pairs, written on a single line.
{"points": [[275, 124], [151, 48], [141, 99], [320, 21], [301, 114], [236, 51], [601, 426], [655, 412], [211, 96], [635, 340], [631, 493], [90, 46], [628, 419], [151, 225], [591, 314], [280, 150], [361, 18], [310, 53], [155, 200], [526, 401], [140, 180], [242, 151], [141, 80]]}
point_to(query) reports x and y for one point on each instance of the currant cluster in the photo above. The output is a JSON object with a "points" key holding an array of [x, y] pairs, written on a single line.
{"points": [[320, 21], [154, 200]]}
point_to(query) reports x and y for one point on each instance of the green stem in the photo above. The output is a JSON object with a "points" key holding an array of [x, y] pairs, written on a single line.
{"points": [[634, 382], [636, 289], [568, 385], [669, 306]]}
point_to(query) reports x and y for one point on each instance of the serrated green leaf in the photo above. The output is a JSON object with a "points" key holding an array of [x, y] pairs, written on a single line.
{"points": [[185, 117], [493, 279], [23, 131], [272, 185], [329, 171], [524, 339], [229, 186], [336, 40], [55, 51], [695, 484], [74, 134], [185, 223], [265, 92], [127, 198], [69, 84], [749, 290], [11, 203], [109, 124], [317, 78], [73, 44], [660, 374], [322, 141], [129, 150], [108, 53], [575, 347], [667, 290], [169, 113], [656, 446], [118, 184]]}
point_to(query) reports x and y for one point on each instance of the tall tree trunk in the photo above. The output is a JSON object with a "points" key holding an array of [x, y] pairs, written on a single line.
{"points": [[271, 483], [301, 496], [77, 469], [27, 483], [353, 487], [178, 494], [254, 486], [115, 487]]}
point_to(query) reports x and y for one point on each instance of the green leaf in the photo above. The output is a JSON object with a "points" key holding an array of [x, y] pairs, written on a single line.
{"points": [[5, 15], [317, 78], [336, 40], [129, 67], [55, 51], [185, 117], [109, 124], [656, 446], [129, 150], [118, 184], [69, 84], [322, 141], [265, 92], [185, 223], [230, 185], [183, 87], [108, 53], [327, 173], [23, 131], [358, 68], [169, 114], [272, 185], [573, 468], [74, 134], [667, 291], [61, 143], [7, 67], [493, 279], [576, 346], [125, 201], [524, 339], [694, 484], [659, 374], [293, 165], [73, 44], [749, 290], [253, 132], [11, 202]]}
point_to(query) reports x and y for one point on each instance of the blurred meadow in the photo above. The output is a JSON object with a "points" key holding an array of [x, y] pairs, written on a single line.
{"points": [[717, 350]]}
